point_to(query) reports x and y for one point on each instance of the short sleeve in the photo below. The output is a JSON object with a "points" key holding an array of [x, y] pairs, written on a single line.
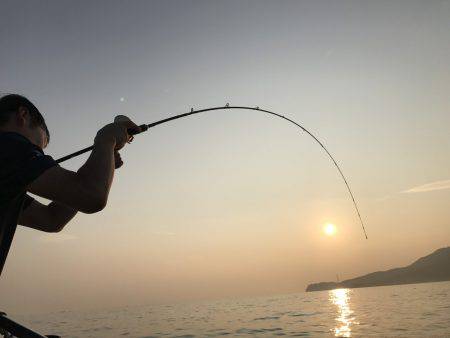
{"points": [[22, 162], [34, 165]]}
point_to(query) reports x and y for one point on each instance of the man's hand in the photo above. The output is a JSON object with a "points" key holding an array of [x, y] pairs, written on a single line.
{"points": [[116, 133], [123, 119]]}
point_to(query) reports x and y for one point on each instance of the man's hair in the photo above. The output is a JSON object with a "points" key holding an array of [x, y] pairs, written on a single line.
{"points": [[10, 103]]}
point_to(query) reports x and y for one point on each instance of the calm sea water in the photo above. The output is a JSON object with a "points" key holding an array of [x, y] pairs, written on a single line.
{"points": [[418, 310]]}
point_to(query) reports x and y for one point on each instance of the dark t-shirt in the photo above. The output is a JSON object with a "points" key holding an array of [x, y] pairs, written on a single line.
{"points": [[21, 162]]}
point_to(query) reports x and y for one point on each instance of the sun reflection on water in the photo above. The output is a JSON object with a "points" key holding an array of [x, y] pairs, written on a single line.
{"points": [[345, 318]]}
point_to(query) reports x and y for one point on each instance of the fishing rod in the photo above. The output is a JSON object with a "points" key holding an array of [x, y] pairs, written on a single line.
{"points": [[145, 127]]}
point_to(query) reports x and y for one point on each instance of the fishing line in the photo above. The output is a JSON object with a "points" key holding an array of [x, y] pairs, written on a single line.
{"points": [[145, 127]]}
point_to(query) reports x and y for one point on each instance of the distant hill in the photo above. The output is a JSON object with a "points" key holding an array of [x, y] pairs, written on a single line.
{"points": [[432, 268]]}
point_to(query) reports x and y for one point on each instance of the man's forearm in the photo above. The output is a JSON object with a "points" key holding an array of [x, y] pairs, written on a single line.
{"points": [[49, 218], [98, 171], [60, 215]]}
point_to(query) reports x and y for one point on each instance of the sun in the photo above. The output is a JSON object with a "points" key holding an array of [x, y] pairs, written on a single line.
{"points": [[330, 229]]}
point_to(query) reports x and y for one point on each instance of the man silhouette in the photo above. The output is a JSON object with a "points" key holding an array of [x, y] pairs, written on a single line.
{"points": [[25, 168]]}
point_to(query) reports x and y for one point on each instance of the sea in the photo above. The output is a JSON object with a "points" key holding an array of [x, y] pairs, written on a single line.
{"points": [[414, 310]]}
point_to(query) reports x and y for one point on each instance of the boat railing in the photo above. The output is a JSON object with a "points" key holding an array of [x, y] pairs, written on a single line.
{"points": [[10, 329]]}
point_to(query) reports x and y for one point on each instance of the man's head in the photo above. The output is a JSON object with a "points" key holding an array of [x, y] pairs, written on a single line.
{"points": [[18, 114]]}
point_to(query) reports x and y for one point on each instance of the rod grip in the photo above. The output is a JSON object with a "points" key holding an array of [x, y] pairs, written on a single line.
{"points": [[132, 131]]}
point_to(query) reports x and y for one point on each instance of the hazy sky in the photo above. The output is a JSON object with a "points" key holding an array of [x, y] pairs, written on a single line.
{"points": [[233, 203]]}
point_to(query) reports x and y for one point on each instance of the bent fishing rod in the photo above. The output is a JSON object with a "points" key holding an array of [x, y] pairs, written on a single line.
{"points": [[145, 127]]}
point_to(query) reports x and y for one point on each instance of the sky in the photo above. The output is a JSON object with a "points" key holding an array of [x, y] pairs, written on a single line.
{"points": [[233, 203]]}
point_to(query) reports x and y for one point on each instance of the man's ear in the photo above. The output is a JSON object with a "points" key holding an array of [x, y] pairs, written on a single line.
{"points": [[22, 116]]}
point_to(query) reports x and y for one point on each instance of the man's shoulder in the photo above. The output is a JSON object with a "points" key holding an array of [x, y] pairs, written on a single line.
{"points": [[21, 162], [16, 152]]}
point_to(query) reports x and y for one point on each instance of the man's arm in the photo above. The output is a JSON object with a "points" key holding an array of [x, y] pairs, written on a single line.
{"points": [[48, 218], [54, 216], [87, 189]]}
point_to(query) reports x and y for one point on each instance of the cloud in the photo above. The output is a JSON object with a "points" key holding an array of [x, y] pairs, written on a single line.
{"points": [[439, 185], [56, 238]]}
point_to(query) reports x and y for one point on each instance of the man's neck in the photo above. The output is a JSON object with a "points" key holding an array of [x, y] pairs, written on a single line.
{"points": [[12, 129]]}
